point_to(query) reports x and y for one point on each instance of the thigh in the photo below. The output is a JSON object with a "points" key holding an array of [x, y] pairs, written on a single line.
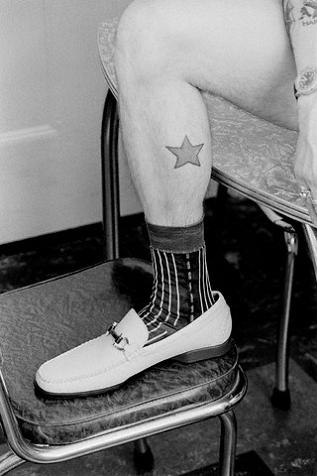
{"points": [[238, 49]]}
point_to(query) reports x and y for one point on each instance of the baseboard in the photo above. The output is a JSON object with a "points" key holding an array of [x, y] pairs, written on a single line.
{"points": [[78, 233], [51, 239]]}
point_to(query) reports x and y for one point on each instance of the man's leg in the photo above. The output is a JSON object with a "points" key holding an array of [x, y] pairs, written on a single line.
{"points": [[167, 50]]}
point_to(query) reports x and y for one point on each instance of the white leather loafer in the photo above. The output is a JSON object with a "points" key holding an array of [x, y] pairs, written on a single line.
{"points": [[106, 362]]}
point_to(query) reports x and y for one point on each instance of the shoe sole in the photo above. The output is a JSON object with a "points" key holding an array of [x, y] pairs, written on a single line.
{"points": [[204, 354], [191, 357]]}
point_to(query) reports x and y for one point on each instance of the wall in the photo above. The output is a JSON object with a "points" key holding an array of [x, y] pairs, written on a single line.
{"points": [[51, 98]]}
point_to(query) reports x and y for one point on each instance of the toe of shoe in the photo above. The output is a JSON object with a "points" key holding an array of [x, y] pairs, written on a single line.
{"points": [[81, 369]]}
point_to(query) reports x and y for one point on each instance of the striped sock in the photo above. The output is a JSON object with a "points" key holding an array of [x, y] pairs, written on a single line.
{"points": [[181, 287]]}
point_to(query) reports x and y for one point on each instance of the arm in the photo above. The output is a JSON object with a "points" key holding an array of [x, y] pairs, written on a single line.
{"points": [[301, 23]]}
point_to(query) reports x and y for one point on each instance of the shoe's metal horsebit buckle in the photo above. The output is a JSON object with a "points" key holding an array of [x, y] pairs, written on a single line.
{"points": [[120, 342]]}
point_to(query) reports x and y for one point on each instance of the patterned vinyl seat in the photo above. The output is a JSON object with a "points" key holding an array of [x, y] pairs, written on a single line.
{"points": [[41, 321]]}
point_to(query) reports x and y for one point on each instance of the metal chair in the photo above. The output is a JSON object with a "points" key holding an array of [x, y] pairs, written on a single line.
{"points": [[251, 156], [41, 321]]}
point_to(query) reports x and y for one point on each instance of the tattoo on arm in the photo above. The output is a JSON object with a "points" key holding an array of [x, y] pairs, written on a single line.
{"points": [[302, 12], [289, 16], [187, 153]]}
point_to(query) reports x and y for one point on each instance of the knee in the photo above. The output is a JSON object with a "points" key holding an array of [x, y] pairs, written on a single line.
{"points": [[144, 43]]}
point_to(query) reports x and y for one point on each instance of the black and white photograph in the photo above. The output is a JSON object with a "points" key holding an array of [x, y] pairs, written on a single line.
{"points": [[158, 237]]}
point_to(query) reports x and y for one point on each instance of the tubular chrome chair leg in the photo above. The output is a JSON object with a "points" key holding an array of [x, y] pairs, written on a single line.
{"points": [[228, 443], [9, 461], [143, 456], [111, 212], [281, 395], [311, 238], [110, 178]]}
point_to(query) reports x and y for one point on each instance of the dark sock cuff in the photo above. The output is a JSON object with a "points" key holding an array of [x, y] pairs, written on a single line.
{"points": [[179, 239]]}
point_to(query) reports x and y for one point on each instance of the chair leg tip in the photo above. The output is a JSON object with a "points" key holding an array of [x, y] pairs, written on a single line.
{"points": [[143, 460], [281, 399]]}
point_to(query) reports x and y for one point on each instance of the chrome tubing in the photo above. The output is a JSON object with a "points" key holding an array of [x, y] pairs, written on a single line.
{"points": [[9, 461], [281, 394], [37, 453], [228, 444], [310, 235], [110, 178], [283, 340]]}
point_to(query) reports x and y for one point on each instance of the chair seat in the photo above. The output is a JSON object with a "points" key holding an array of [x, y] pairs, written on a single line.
{"points": [[250, 155], [41, 321]]}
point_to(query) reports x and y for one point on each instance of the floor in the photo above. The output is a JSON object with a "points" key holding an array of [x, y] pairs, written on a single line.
{"points": [[246, 260]]}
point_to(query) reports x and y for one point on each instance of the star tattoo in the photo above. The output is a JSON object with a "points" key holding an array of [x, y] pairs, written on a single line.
{"points": [[186, 154]]}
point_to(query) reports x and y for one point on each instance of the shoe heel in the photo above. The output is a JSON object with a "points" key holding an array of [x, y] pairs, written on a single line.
{"points": [[204, 353]]}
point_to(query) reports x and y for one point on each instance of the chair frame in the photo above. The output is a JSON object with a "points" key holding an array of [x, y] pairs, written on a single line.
{"points": [[22, 450]]}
